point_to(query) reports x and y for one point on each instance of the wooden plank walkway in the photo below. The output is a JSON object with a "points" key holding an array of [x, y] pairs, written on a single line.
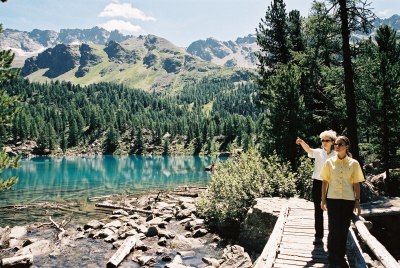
{"points": [[296, 248], [291, 244]]}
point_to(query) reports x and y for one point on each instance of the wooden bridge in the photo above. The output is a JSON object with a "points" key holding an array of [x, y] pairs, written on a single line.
{"points": [[290, 245]]}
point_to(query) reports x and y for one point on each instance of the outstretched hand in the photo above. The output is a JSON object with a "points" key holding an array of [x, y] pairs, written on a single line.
{"points": [[298, 141]]}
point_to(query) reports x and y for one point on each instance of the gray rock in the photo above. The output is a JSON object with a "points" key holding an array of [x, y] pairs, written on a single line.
{"points": [[121, 212], [167, 217], [4, 237], [40, 247], [118, 243], [155, 221], [235, 257], [103, 233], [115, 224], [15, 243], [141, 246], [146, 260], [186, 254], [211, 261], [162, 242], [200, 232], [111, 238], [185, 213], [166, 258], [93, 224], [129, 233], [18, 232], [166, 234], [152, 231], [258, 225]]}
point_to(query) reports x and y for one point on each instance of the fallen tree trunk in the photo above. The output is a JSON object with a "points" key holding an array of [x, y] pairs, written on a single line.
{"points": [[375, 246], [20, 261], [122, 251], [107, 205]]}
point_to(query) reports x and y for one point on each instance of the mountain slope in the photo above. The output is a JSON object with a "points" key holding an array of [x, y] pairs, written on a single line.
{"points": [[27, 44], [238, 53], [147, 62]]}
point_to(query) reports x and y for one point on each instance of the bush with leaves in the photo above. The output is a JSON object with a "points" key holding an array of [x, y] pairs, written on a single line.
{"points": [[7, 162], [238, 181], [304, 181]]}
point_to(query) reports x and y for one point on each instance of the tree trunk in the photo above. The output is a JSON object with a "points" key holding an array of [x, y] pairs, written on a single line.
{"points": [[348, 81]]}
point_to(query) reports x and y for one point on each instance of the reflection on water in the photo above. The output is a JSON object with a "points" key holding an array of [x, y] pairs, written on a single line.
{"points": [[59, 179]]}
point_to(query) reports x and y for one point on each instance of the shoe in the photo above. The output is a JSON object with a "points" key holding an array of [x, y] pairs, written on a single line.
{"points": [[318, 241], [343, 264]]}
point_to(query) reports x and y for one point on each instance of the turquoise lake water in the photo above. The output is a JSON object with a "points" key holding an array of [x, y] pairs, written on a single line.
{"points": [[62, 178]]}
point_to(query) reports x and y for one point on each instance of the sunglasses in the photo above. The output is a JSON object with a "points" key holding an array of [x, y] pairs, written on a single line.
{"points": [[339, 144], [326, 140]]}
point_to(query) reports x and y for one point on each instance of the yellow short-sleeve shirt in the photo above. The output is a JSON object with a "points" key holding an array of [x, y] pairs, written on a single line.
{"points": [[341, 174]]}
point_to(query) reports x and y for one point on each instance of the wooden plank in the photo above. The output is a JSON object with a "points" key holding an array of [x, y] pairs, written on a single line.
{"points": [[309, 254], [300, 263], [268, 255], [286, 245], [311, 258], [122, 251], [285, 265]]}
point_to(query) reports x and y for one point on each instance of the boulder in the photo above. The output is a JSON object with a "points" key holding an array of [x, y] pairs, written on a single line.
{"points": [[94, 224], [258, 224], [235, 257], [40, 247]]}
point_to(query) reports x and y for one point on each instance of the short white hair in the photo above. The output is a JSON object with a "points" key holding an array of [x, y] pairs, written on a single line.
{"points": [[328, 133]]}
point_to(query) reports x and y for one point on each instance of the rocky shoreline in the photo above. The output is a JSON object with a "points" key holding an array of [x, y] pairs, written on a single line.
{"points": [[156, 229]]}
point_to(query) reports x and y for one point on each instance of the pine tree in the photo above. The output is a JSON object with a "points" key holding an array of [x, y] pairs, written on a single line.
{"points": [[8, 109], [73, 137], [352, 17], [388, 80], [112, 140], [279, 80]]}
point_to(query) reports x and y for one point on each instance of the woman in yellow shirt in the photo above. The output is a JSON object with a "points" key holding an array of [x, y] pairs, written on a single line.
{"points": [[342, 174]]}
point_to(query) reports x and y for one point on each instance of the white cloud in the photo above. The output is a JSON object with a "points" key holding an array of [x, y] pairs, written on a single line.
{"points": [[123, 26], [384, 13], [124, 10]]}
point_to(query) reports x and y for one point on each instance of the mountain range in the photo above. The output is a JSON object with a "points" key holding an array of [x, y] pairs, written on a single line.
{"points": [[149, 62]]}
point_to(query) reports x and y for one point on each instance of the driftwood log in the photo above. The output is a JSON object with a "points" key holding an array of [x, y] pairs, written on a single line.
{"points": [[122, 251], [60, 226], [108, 205], [376, 247], [20, 261]]}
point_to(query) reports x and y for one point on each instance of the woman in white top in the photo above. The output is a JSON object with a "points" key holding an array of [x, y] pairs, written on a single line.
{"points": [[320, 155]]}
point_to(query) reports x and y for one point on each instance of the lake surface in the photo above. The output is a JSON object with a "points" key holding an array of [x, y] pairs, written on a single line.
{"points": [[60, 179]]}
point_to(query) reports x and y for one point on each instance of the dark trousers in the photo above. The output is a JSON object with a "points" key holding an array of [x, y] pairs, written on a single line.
{"points": [[339, 215], [318, 212]]}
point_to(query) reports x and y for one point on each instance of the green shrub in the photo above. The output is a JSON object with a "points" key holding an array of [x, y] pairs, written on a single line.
{"points": [[238, 181], [304, 181], [7, 162]]}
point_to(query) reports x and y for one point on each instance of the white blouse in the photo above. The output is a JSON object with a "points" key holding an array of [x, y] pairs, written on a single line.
{"points": [[320, 156]]}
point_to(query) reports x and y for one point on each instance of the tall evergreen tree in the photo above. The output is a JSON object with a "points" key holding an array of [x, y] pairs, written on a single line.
{"points": [[8, 109], [272, 39], [353, 15], [112, 140], [279, 86], [388, 82]]}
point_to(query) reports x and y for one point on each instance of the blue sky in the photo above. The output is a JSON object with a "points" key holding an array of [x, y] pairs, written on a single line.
{"points": [[179, 21]]}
